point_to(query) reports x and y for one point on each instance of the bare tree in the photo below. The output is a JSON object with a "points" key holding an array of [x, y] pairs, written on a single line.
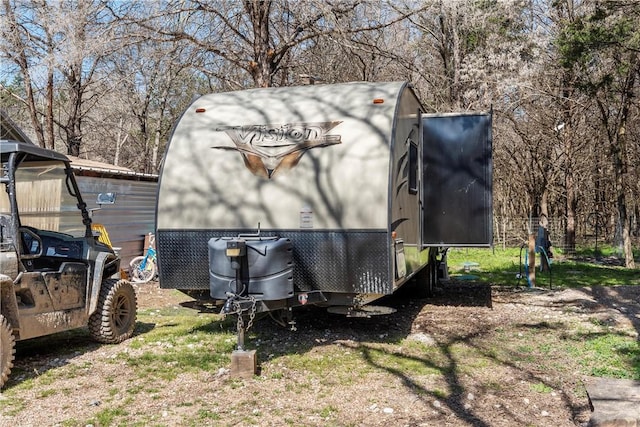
{"points": [[58, 48], [470, 52], [602, 48], [157, 81], [87, 37], [260, 38], [28, 42]]}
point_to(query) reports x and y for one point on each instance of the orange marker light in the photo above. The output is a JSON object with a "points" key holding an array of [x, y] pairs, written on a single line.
{"points": [[200, 110], [378, 101]]}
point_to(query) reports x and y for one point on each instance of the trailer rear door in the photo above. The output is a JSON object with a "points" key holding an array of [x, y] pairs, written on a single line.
{"points": [[457, 180]]}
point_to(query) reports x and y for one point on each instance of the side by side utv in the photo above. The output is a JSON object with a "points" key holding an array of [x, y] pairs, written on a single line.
{"points": [[54, 273]]}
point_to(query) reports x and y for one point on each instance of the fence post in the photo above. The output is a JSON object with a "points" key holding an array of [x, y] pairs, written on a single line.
{"points": [[532, 260]]}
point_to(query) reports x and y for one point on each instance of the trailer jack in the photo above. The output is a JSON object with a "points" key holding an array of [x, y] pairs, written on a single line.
{"points": [[243, 362]]}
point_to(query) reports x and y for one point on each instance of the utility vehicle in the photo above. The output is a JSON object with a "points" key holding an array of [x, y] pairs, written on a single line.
{"points": [[54, 273]]}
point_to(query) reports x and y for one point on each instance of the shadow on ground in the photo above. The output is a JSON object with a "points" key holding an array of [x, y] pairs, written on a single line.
{"points": [[34, 357]]}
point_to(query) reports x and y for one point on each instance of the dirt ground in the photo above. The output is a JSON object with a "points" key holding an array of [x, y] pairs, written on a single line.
{"points": [[509, 392]]}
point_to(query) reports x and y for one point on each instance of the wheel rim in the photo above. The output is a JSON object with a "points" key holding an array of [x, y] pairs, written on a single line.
{"points": [[140, 274], [121, 315]]}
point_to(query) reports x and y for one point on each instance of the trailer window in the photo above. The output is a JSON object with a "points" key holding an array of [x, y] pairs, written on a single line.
{"points": [[413, 167]]}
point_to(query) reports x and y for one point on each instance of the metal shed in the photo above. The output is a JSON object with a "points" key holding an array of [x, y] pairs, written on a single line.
{"points": [[132, 216]]}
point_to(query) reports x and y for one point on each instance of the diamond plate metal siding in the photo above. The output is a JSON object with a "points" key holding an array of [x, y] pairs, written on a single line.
{"points": [[331, 261]]}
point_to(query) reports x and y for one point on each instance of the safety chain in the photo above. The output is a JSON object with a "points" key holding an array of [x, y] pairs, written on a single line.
{"points": [[252, 313], [237, 309]]}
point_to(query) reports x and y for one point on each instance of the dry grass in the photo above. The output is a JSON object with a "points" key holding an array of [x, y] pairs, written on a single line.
{"points": [[451, 360]]}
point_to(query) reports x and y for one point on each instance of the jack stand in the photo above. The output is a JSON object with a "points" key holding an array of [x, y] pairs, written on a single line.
{"points": [[241, 331], [244, 364]]}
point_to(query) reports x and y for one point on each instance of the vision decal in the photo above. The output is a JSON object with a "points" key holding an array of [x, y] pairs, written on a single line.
{"points": [[273, 148]]}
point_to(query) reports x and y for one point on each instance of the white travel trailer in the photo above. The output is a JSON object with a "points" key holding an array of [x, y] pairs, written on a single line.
{"points": [[322, 194]]}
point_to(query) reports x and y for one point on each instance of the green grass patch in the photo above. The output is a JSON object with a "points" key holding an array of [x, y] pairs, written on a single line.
{"points": [[319, 363], [11, 406], [406, 364], [207, 415], [501, 267], [604, 251], [328, 412], [168, 363], [180, 341], [540, 387], [47, 392], [609, 355], [440, 394], [108, 416]]}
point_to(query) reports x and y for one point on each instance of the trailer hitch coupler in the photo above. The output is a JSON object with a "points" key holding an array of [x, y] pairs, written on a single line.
{"points": [[227, 307]]}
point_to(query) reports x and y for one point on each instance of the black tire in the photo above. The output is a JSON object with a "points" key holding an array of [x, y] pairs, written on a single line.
{"points": [[115, 317], [7, 350], [140, 275], [423, 284]]}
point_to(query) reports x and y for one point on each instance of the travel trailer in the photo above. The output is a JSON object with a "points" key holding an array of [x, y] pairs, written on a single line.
{"points": [[333, 195]]}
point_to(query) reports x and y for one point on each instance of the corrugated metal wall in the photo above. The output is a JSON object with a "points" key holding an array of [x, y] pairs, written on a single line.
{"points": [[130, 218]]}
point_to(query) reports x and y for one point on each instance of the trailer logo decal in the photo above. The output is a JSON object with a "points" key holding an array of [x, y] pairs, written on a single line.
{"points": [[272, 148]]}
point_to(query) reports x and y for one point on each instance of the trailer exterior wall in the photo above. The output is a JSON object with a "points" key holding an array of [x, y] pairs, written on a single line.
{"points": [[405, 180], [208, 181], [232, 166]]}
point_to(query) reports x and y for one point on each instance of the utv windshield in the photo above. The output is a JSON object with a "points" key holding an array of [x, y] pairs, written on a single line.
{"points": [[44, 201]]}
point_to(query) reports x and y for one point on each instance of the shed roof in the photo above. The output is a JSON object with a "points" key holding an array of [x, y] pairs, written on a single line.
{"points": [[85, 167]]}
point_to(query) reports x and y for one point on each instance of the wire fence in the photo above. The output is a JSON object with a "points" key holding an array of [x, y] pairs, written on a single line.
{"points": [[591, 231]]}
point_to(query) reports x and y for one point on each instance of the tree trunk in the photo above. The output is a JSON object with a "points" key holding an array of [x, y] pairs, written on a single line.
{"points": [[119, 142], [566, 136], [619, 157], [154, 154], [544, 225], [571, 208], [260, 67], [49, 139], [627, 244], [620, 162], [571, 199]]}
